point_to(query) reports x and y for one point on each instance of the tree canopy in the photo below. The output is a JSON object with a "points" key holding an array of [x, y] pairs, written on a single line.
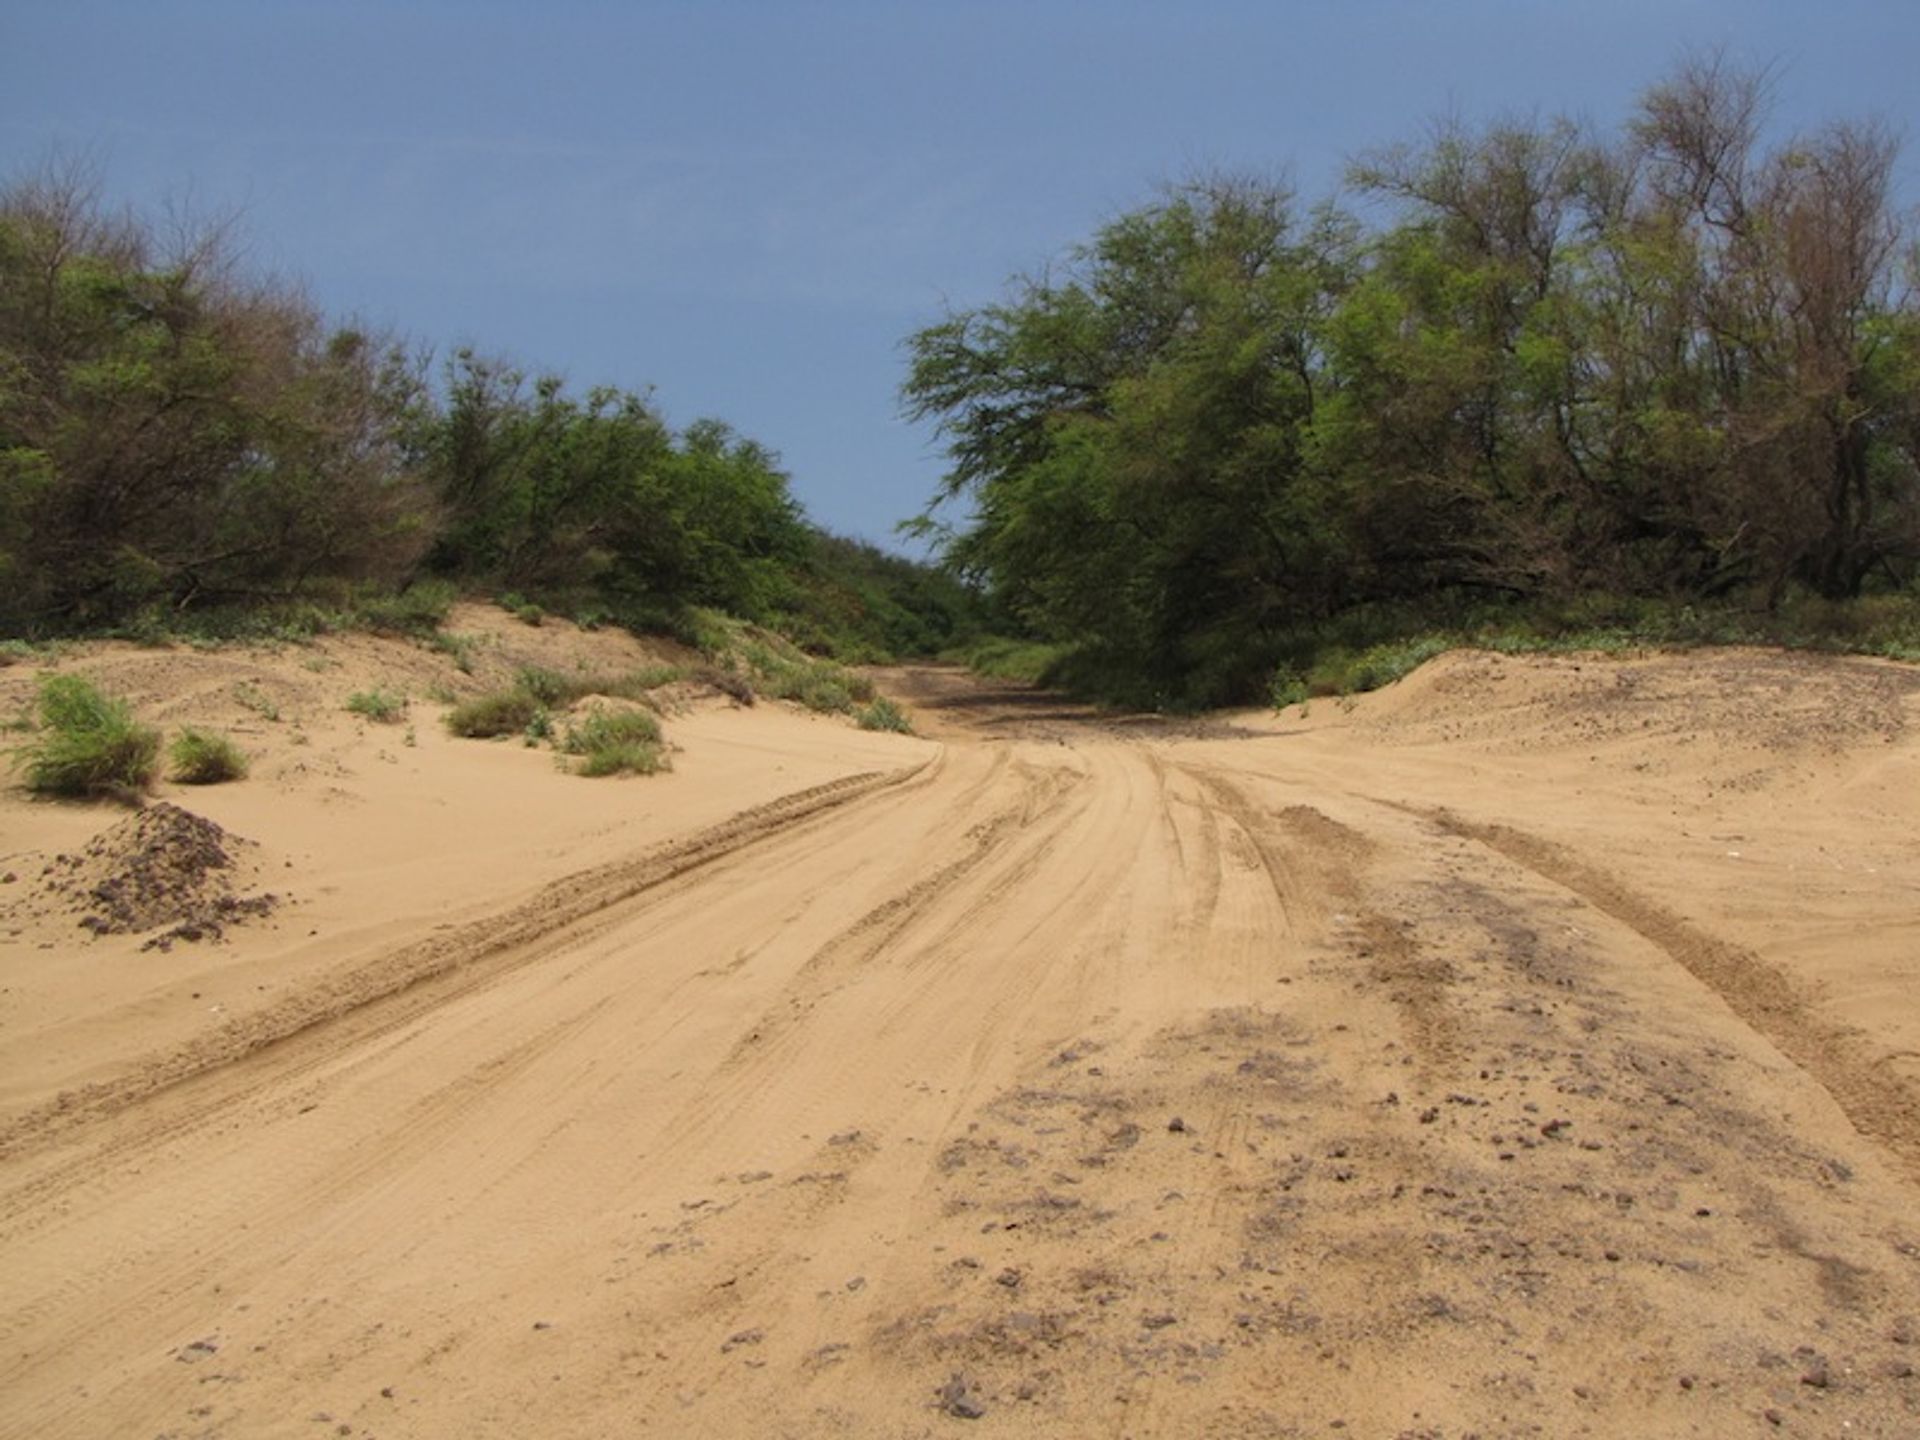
{"points": [[1672, 362], [176, 437]]}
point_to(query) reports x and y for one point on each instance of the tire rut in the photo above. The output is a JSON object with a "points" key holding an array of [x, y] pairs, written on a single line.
{"points": [[1880, 1102], [419, 973]]}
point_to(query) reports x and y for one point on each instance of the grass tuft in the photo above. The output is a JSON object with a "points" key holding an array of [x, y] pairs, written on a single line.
{"points": [[200, 758], [883, 714], [89, 743], [616, 742], [381, 706], [504, 712]]}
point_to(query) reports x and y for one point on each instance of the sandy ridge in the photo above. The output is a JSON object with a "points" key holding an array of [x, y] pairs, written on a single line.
{"points": [[471, 954]]}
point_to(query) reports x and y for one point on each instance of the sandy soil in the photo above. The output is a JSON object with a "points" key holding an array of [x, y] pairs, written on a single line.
{"points": [[1531, 1049]]}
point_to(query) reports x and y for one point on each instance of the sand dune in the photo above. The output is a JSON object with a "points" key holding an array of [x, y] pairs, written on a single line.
{"points": [[1529, 1049]]}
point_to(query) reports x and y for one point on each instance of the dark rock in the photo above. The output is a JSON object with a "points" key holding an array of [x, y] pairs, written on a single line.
{"points": [[960, 1399]]}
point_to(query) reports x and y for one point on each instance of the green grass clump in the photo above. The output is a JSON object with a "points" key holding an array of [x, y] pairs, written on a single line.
{"points": [[89, 742], [820, 689], [616, 742], [1029, 661], [817, 684], [504, 712], [200, 758], [883, 714], [549, 687], [382, 706]]}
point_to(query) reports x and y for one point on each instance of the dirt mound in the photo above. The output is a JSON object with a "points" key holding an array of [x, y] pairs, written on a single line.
{"points": [[1758, 701], [162, 866]]}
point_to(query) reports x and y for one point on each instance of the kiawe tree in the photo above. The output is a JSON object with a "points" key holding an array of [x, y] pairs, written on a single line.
{"points": [[1130, 437], [171, 434], [1672, 363]]}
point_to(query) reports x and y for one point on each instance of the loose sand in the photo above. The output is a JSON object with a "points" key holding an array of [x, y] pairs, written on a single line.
{"points": [[1530, 1049]]}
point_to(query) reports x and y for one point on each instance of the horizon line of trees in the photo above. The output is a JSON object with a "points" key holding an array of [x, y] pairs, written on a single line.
{"points": [[177, 435], [1675, 362]]}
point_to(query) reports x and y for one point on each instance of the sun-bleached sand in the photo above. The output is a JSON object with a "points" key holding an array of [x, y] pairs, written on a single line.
{"points": [[1531, 1048]]}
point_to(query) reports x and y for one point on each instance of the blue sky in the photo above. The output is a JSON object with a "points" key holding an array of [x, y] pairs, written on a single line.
{"points": [[747, 205]]}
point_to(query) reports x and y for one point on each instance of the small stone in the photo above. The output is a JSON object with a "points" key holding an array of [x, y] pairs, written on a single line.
{"points": [[960, 1400], [1158, 1322], [1686, 1382], [1773, 1417], [1177, 1126], [1818, 1377], [1009, 1277]]}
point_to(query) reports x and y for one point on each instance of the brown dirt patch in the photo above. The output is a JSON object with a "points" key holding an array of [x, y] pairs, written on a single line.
{"points": [[162, 866]]}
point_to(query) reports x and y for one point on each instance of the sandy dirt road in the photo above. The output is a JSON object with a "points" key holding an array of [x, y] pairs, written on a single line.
{"points": [[1530, 1051]]}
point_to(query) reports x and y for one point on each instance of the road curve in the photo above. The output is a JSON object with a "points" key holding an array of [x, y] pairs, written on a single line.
{"points": [[1097, 1077]]}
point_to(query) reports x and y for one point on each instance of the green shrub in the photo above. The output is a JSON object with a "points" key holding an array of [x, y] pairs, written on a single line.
{"points": [[1289, 688], [549, 687], [90, 742], [200, 758], [883, 714], [817, 684], [638, 684], [504, 712], [417, 610], [614, 742], [730, 683], [1030, 661], [381, 706], [823, 689]]}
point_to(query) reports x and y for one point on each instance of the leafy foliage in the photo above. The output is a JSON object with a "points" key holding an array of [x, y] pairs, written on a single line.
{"points": [[1671, 364], [172, 435], [187, 452]]}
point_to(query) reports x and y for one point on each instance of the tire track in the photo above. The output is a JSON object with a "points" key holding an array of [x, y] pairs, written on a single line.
{"points": [[1881, 1103], [402, 983]]}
